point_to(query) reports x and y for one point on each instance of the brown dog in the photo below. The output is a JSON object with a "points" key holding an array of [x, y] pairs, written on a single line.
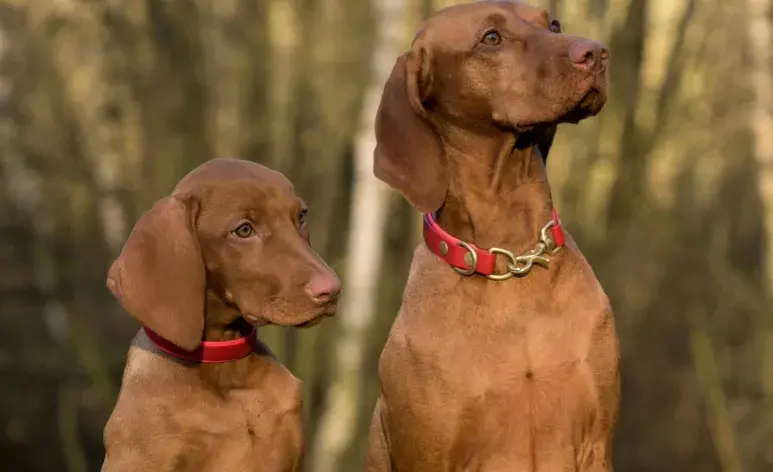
{"points": [[227, 251], [518, 373]]}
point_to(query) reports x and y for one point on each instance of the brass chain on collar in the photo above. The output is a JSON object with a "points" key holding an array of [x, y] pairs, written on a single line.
{"points": [[518, 265]]}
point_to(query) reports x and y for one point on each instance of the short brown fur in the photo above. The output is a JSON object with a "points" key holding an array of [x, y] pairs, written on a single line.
{"points": [[479, 375], [186, 274]]}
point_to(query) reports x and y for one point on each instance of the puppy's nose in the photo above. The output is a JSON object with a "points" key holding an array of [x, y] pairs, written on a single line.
{"points": [[587, 54], [323, 288]]}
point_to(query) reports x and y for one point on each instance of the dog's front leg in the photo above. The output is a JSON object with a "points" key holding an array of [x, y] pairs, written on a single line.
{"points": [[378, 458]]}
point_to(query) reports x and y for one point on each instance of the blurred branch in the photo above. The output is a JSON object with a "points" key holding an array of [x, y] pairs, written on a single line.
{"points": [[766, 371], [636, 144], [738, 291], [711, 381], [670, 85], [287, 36], [67, 425], [730, 279], [93, 362], [760, 40]]}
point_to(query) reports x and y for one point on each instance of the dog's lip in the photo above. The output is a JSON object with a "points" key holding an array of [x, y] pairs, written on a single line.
{"points": [[309, 323], [256, 321], [574, 112], [313, 321], [326, 312], [525, 127], [583, 107]]}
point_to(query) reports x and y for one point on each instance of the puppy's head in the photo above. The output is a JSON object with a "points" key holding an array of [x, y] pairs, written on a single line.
{"points": [[233, 231], [482, 67]]}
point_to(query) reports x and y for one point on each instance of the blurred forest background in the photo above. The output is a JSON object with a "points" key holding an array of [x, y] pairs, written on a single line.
{"points": [[105, 104]]}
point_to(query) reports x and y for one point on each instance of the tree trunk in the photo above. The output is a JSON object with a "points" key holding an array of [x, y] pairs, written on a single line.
{"points": [[760, 16], [368, 219], [760, 40]]}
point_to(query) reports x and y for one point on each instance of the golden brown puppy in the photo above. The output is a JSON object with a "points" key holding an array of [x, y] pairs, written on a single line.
{"points": [[227, 251], [504, 355]]}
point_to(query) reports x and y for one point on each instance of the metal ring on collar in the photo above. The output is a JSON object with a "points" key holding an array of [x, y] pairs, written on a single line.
{"points": [[473, 257], [512, 263]]}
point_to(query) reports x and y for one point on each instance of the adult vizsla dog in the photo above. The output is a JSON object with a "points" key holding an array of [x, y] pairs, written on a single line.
{"points": [[226, 252], [504, 355]]}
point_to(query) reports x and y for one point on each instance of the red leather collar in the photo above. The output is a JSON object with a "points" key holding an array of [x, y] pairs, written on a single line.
{"points": [[454, 251], [209, 352]]}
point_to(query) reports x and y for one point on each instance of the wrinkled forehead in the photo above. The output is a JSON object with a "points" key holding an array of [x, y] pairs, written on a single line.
{"points": [[231, 186], [237, 199], [456, 23]]}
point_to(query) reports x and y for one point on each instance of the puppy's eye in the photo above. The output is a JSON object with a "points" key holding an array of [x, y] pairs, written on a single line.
{"points": [[555, 26], [492, 38], [244, 230], [302, 217]]}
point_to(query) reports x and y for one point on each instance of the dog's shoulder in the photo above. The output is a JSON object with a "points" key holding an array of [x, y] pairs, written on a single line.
{"points": [[285, 390], [143, 421]]}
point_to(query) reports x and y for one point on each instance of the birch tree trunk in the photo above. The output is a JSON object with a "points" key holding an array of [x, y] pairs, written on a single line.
{"points": [[760, 40], [365, 246]]}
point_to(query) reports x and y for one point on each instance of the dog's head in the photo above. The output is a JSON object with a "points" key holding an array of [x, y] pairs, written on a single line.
{"points": [[233, 231], [482, 67]]}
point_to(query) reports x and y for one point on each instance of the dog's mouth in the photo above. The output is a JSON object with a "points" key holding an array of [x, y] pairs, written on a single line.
{"points": [[588, 105], [279, 317], [256, 321], [310, 323], [318, 317]]}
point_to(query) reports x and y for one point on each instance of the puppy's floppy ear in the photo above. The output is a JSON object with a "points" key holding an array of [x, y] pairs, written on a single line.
{"points": [[159, 277], [545, 141], [409, 155]]}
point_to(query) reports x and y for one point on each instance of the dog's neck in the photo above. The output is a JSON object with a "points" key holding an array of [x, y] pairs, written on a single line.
{"points": [[498, 193], [223, 322]]}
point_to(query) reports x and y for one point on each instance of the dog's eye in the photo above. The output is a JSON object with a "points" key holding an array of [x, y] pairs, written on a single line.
{"points": [[244, 230], [302, 217], [555, 26], [492, 38]]}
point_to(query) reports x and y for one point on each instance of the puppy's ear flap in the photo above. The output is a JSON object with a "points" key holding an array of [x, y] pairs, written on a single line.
{"points": [[545, 141], [159, 277], [409, 155]]}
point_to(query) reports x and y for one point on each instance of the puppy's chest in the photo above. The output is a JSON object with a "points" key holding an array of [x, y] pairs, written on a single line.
{"points": [[249, 437]]}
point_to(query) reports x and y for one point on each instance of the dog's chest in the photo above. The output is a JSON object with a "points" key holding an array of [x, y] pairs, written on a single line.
{"points": [[497, 377], [510, 337], [476, 359], [251, 438]]}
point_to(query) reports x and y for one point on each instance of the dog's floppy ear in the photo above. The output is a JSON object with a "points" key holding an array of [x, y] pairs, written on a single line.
{"points": [[408, 155], [545, 141], [159, 277]]}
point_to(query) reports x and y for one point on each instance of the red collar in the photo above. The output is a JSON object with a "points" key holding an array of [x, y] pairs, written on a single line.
{"points": [[467, 258], [209, 352]]}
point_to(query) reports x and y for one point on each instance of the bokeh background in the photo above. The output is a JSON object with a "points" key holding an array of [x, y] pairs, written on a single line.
{"points": [[105, 104]]}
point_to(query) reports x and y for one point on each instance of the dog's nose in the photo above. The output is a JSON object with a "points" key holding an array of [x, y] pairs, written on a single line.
{"points": [[323, 288], [587, 54]]}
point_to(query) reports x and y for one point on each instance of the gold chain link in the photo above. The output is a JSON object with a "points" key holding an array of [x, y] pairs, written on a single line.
{"points": [[518, 265]]}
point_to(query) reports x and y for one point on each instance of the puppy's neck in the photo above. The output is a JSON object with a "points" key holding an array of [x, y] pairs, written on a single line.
{"points": [[498, 192], [223, 322]]}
